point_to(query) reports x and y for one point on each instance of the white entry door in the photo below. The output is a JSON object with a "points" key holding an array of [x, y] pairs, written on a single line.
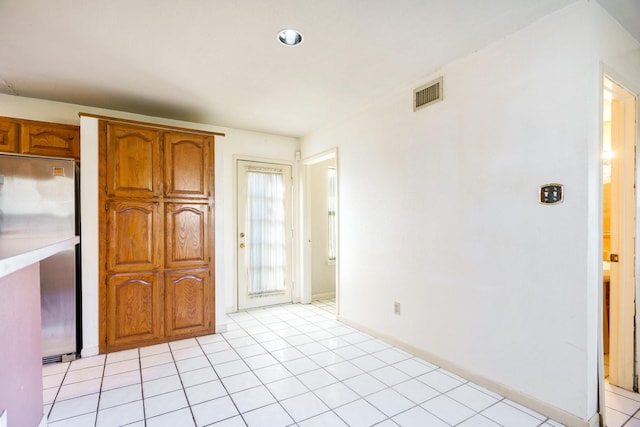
{"points": [[265, 234]]}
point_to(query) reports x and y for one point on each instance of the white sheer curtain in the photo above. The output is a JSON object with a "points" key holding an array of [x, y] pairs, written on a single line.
{"points": [[266, 248], [333, 202]]}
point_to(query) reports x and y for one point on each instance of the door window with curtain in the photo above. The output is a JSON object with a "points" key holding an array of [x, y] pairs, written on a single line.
{"points": [[265, 233]]}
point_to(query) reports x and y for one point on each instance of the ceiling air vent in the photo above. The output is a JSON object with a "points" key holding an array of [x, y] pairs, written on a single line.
{"points": [[427, 94]]}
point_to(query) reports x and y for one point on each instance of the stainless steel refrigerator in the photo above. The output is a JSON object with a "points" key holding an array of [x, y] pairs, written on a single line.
{"points": [[38, 199]]}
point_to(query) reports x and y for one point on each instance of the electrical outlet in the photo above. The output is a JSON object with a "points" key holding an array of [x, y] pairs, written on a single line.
{"points": [[396, 308]]}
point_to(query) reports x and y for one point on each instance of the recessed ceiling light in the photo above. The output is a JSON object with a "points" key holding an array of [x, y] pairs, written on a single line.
{"points": [[290, 37]]}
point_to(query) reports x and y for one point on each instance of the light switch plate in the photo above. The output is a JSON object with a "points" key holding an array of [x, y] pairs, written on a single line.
{"points": [[551, 194]]}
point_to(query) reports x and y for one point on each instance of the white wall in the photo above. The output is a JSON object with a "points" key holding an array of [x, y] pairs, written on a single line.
{"points": [[439, 211], [323, 274], [235, 143]]}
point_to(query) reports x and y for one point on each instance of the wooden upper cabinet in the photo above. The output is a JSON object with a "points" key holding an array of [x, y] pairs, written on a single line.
{"points": [[133, 161], [9, 134], [187, 234], [39, 138], [135, 235], [50, 139], [188, 165]]}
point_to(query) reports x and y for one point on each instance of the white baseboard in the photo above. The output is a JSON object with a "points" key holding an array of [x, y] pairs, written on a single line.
{"points": [[89, 351], [537, 405], [328, 295], [221, 328]]}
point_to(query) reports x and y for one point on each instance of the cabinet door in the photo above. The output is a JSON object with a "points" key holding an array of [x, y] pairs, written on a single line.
{"points": [[187, 234], [48, 139], [188, 165], [133, 161], [135, 235], [188, 302], [134, 309], [8, 135]]}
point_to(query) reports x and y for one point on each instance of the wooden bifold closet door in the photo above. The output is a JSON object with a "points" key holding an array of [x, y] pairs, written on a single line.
{"points": [[156, 235]]}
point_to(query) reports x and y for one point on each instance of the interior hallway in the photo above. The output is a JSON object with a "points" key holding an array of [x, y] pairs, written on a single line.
{"points": [[291, 365]]}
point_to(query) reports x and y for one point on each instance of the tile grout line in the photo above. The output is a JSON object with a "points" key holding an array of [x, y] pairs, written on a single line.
{"points": [[144, 407], [104, 369], [631, 417], [221, 382], [184, 389]]}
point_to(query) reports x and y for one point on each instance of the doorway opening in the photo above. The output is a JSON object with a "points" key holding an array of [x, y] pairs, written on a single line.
{"points": [[619, 235], [320, 225]]}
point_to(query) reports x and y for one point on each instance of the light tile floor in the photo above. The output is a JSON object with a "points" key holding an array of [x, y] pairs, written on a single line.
{"points": [[623, 407], [291, 365]]}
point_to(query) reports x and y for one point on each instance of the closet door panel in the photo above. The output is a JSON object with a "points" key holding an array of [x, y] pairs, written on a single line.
{"points": [[188, 302], [133, 161], [187, 234], [134, 305], [135, 238], [187, 165]]}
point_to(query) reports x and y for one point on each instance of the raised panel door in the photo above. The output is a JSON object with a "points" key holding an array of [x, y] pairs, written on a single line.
{"points": [[8, 135], [134, 307], [188, 302], [135, 238], [187, 165], [133, 161], [49, 139], [187, 234]]}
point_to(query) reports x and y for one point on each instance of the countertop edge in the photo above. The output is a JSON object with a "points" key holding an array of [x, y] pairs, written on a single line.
{"points": [[19, 261]]}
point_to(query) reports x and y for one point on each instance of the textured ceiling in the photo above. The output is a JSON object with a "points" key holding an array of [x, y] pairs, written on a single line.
{"points": [[218, 61]]}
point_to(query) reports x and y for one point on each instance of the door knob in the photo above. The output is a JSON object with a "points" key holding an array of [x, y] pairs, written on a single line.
{"points": [[613, 257], [241, 245]]}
